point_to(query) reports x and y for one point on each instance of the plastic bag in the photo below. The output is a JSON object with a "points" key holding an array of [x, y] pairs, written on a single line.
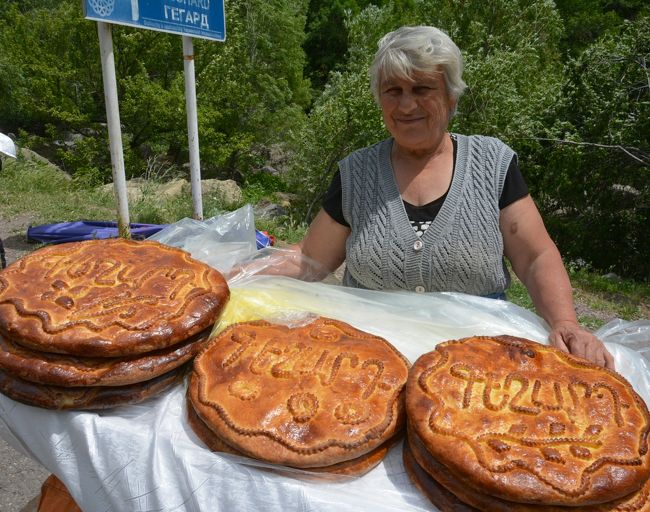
{"points": [[116, 460], [283, 261], [220, 241]]}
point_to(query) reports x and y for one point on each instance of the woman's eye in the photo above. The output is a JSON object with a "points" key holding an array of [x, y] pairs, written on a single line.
{"points": [[393, 91], [422, 89]]}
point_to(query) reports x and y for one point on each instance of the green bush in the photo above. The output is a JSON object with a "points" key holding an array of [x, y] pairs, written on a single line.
{"points": [[593, 168]]}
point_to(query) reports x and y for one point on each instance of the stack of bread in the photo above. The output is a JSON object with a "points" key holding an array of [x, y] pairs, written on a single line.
{"points": [[506, 424], [101, 323], [322, 397]]}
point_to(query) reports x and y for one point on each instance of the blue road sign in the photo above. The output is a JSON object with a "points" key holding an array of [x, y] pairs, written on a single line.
{"points": [[195, 18]]}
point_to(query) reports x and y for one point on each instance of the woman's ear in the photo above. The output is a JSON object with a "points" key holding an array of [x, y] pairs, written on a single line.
{"points": [[451, 103]]}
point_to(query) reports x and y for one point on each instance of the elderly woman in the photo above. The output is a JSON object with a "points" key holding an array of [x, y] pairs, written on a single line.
{"points": [[429, 211]]}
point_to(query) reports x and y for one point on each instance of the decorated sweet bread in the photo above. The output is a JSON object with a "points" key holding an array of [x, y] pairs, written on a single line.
{"points": [[528, 423], [449, 493], [73, 371], [308, 396], [444, 500], [86, 398], [349, 468], [108, 298]]}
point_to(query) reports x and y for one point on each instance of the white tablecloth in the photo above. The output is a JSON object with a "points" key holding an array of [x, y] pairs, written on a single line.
{"points": [[146, 458]]}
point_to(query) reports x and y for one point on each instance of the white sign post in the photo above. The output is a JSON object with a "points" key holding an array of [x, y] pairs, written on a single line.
{"points": [[192, 127], [114, 130], [199, 18]]}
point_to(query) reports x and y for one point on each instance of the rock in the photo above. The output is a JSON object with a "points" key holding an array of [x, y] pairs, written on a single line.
{"points": [[226, 190], [278, 157], [133, 189], [611, 276], [32, 156], [267, 169], [138, 189], [626, 189], [70, 140], [173, 188], [268, 210], [285, 199]]}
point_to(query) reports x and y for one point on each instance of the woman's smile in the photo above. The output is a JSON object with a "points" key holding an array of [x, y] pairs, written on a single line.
{"points": [[416, 110]]}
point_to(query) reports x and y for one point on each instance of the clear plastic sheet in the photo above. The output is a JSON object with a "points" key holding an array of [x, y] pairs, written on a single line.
{"points": [[221, 241], [145, 457]]}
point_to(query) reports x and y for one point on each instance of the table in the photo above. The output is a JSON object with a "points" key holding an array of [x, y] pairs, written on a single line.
{"points": [[145, 457]]}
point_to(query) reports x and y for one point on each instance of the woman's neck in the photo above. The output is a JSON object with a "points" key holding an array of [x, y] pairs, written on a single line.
{"points": [[422, 177], [420, 158]]}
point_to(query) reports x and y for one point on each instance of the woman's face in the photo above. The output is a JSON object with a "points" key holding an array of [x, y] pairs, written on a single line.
{"points": [[416, 111]]}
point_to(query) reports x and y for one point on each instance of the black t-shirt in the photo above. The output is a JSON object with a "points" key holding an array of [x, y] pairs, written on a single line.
{"points": [[514, 188]]}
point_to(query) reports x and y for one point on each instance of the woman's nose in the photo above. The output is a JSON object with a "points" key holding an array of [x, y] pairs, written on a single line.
{"points": [[407, 102]]}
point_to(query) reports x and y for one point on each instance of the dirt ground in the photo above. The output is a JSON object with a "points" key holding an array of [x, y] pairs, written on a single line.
{"points": [[13, 235], [21, 477]]}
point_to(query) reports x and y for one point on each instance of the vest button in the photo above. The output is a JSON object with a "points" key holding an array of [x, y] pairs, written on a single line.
{"points": [[418, 245], [420, 289]]}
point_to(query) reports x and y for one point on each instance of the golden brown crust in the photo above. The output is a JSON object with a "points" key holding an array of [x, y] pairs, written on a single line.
{"points": [[444, 500], [349, 468], [528, 423], [303, 397], [203, 432], [71, 371], [636, 502], [86, 398], [108, 298]]}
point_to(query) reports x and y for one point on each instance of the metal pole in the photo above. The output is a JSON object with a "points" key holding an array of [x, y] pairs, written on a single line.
{"points": [[192, 127], [114, 130]]}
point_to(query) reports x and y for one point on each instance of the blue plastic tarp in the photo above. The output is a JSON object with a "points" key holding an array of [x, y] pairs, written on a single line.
{"points": [[75, 231], [61, 232]]}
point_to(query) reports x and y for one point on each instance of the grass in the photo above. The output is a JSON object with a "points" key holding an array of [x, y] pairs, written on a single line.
{"points": [[598, 298], [29, 187], [48, 195]]}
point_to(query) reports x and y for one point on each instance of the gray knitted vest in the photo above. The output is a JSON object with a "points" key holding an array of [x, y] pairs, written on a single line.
{"points": [[461, 251]]}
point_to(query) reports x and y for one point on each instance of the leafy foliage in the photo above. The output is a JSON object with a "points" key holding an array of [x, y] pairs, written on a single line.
{"points": [[47, 73], [511, 67], [326, 44], [594, 173], [249, 89], [252, 88], [588, 20], [564, 83]]}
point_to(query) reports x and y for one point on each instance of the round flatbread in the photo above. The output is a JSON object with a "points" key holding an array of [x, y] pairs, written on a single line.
{"points": [[72, 371], [434, 480], [349, 468], [529, 423], [108, 298], [86, 398], [307, 396], [444, 500]]}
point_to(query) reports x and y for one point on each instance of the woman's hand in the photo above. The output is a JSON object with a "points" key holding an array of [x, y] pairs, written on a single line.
{"points": [[571, 337], [537, 262]]}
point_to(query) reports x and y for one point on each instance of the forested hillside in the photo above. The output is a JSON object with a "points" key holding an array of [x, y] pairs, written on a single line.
{"points": [[565, 83]]}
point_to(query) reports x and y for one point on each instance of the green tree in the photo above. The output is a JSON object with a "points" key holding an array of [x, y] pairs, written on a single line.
{"points": [[50, 73], [512, 70], [326, 42], [594, 169], [587, 20], [251, 89]]}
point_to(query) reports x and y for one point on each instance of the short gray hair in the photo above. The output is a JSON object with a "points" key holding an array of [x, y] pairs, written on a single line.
{"points": [[417, 49]]}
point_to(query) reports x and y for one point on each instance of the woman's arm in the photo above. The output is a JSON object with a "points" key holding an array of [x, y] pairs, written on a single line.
{"points": [[538, 264], [325, 242], [320, 253]]}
